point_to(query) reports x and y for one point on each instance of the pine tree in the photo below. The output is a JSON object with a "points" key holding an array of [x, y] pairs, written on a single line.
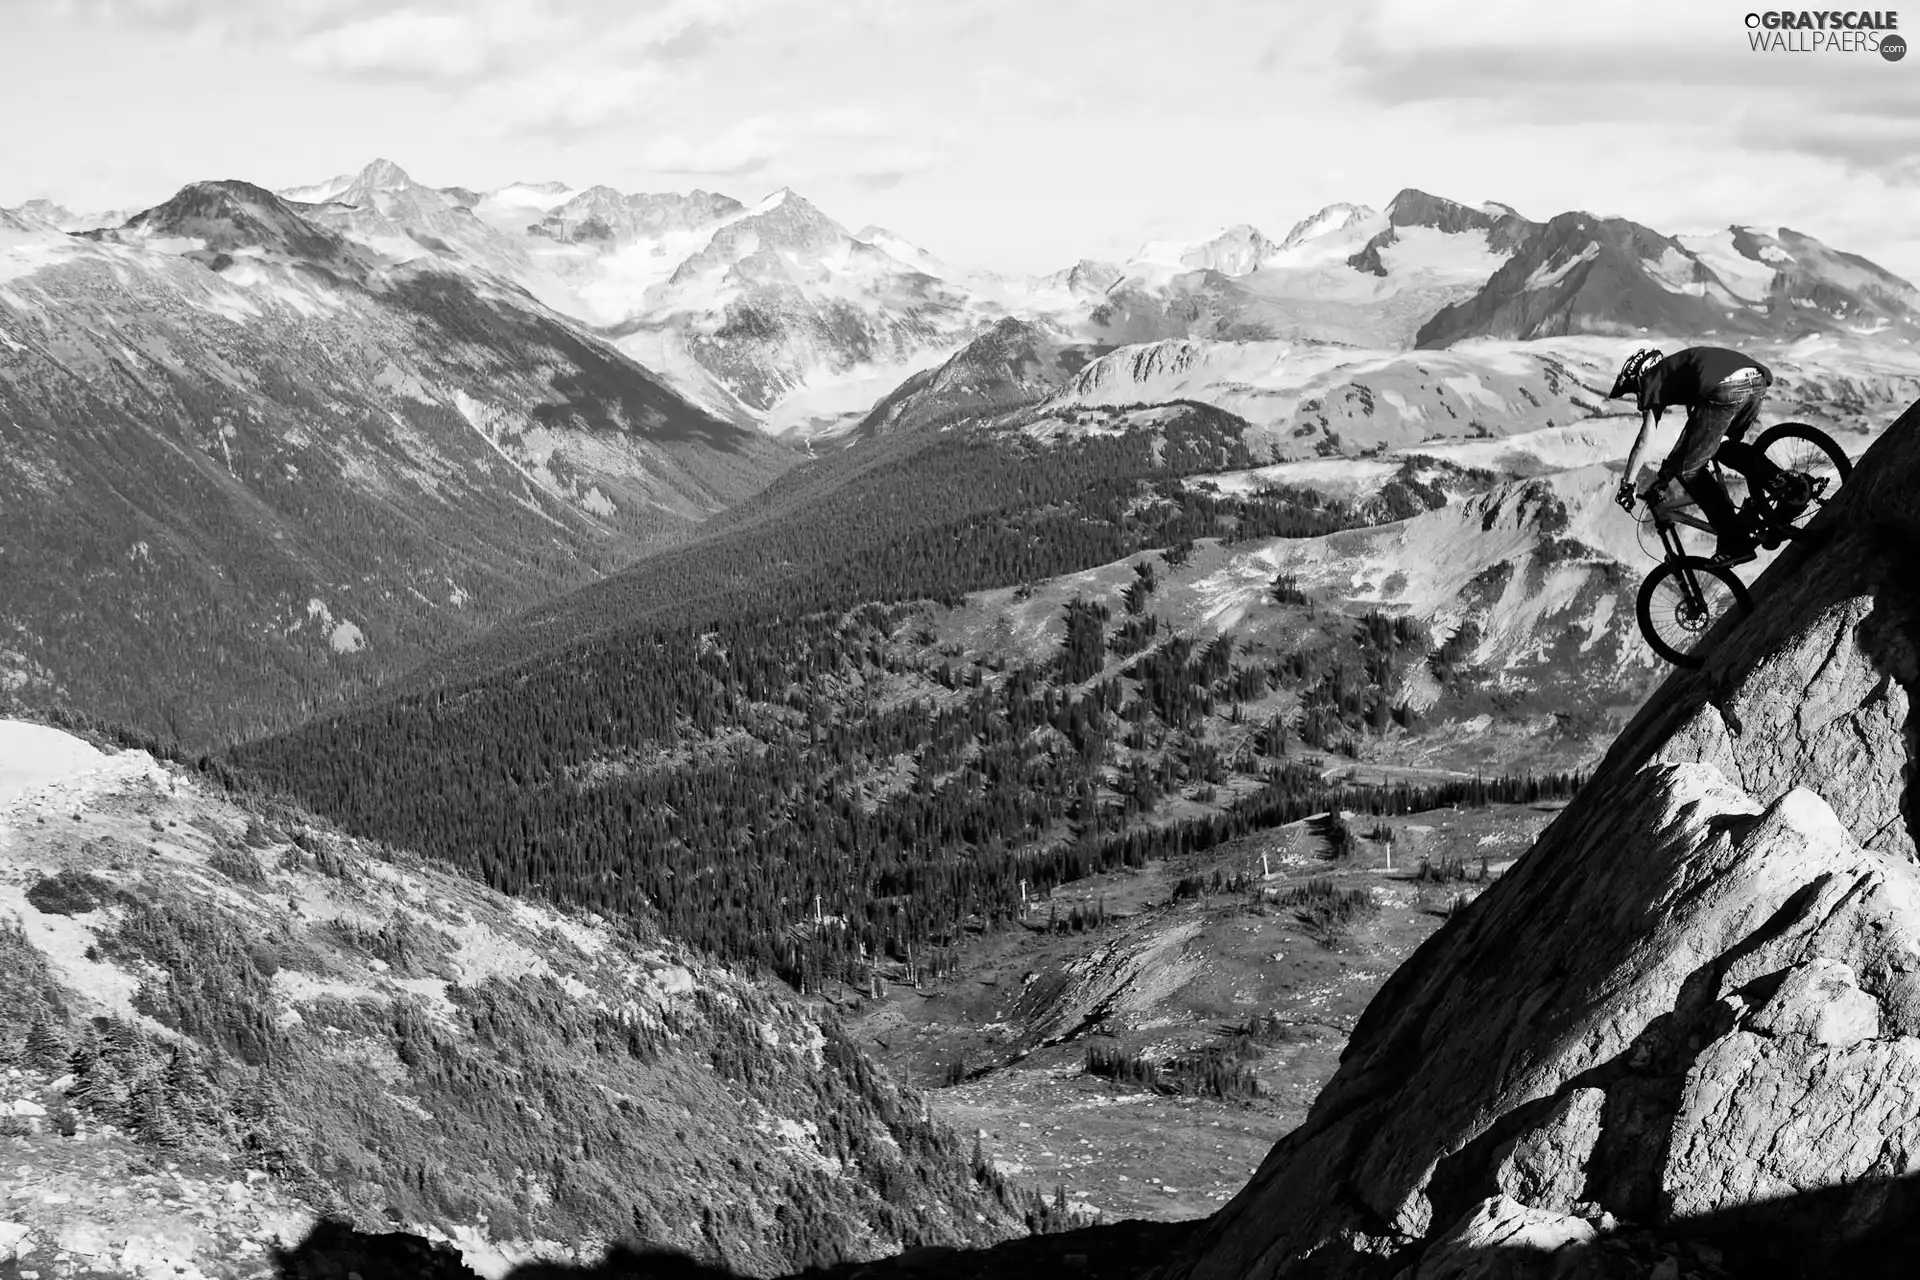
{"points": [[129, 1052], [46, 1047], [100, 1087], [151, 1118], [85, 1054], [184, 1084]]}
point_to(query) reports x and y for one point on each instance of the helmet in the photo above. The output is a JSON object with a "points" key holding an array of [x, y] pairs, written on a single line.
{"points": [[1629, 380]]}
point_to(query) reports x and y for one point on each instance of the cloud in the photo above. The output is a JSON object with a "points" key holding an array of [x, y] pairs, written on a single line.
{"points": [[1862, 145], [1400, 51], [442, 43], [418, 44], [857, 145], [745, 148], [1686, 75], [562, 100]]}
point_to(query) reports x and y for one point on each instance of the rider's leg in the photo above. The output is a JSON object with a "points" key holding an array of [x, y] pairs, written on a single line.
{"points": [[1699, 438], [1736, 539], [1728, 411]]}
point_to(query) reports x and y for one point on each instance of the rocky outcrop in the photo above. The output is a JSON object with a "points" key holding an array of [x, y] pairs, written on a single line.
{"points": [[1010, 366], [1692, 1009]]}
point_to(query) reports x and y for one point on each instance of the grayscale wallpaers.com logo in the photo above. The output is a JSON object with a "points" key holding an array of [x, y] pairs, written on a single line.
{"points": [[1828, 31]]}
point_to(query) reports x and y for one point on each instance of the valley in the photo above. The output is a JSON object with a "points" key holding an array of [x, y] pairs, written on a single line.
{"points": [[1167, 976]]}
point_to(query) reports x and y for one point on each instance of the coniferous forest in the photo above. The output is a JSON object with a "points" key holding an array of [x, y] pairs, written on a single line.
{"points": [[816, 798]]}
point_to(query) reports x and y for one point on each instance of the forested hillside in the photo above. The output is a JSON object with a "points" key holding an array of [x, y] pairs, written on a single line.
{"points": [[830, 798]]}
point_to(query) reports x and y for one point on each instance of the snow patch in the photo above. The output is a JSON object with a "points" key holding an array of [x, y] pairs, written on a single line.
{"points": [[347, 638], [1544, 277]]}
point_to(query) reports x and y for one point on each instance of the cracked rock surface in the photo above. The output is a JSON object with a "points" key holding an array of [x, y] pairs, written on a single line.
{"points": [[1690, 1015]]}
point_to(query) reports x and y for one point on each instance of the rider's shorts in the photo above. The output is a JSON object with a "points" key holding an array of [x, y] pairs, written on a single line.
{"points": [[1728, 413]]}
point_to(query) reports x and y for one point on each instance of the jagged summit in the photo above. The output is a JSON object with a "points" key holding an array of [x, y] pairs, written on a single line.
{"points": [[231, 216], [61, 218], [378, 178], [773, 200], [1692, 1009], [1232, 251], [1013, 364], [381, 172], [1333, 218]]}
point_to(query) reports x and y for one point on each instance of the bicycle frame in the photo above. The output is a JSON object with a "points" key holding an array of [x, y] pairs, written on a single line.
{"points": [[1667, 519], [1667, 516]]}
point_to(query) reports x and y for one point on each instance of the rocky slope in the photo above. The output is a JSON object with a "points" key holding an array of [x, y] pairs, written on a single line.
{"points": [[228, 430], [221, 1021], [1690, 1009]]}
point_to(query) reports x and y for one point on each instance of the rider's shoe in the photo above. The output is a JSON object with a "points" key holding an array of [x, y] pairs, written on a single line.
{"points": [[1736, 550]]}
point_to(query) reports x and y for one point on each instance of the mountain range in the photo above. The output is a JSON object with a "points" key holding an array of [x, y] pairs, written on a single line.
{"points": [[393, 414], [775, 315]]}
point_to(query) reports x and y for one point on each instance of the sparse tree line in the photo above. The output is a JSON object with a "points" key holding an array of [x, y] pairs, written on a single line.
{"points": [[1214, 1070]]}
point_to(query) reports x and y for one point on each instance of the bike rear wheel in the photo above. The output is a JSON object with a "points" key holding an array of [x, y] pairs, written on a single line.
{"points": [[1812, 469], [1680, 602]]}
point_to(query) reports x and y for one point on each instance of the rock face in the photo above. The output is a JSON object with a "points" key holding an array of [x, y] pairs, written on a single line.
{"points": [[1693, 1008]]}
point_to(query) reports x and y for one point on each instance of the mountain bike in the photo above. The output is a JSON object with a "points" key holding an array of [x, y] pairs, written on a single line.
{"points": [[1778, 483]]}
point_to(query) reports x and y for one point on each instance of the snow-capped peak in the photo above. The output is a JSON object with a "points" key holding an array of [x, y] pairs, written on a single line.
{"points": [[1334, 218], [383, 175], [901, 250], [533, 195], [50, 213], [352, 188], [1232, 251], [317, 192], [1499, 210], [771, 202]]}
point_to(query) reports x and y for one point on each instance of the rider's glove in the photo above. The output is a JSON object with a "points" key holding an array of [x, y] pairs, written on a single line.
{"points": [[1625, 496]]}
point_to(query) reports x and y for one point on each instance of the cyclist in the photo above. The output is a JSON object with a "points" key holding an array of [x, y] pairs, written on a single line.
{"points": [[1721, 390]]}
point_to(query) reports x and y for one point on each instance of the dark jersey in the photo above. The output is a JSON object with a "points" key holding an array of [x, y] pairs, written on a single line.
{"points": [[1686, 377]]}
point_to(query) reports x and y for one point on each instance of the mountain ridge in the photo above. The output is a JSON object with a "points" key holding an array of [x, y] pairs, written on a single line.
{"points": [[257, 434], [742, 332]]}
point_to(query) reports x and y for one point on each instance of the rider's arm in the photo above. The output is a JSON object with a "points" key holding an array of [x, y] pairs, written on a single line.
{"points": [[1647, 419]]}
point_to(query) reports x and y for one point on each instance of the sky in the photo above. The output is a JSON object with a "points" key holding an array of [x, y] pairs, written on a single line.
{"points": [[1014, 135]]}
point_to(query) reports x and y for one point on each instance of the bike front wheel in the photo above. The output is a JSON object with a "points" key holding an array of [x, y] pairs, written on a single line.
{"points": [[1680, 602], [1811, 468]]}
